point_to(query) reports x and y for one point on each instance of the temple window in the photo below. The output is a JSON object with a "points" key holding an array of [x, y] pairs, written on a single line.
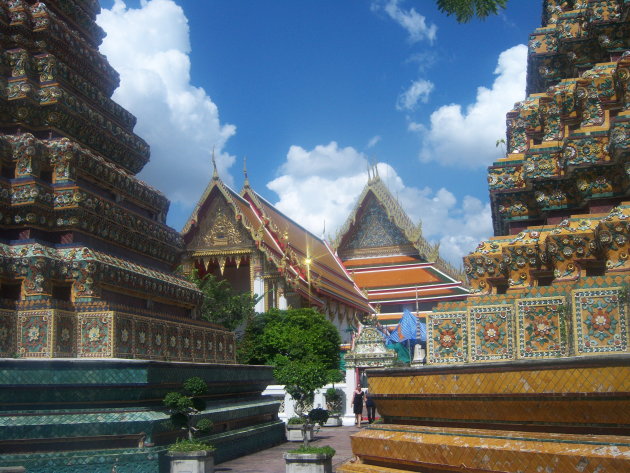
{"points": [[11, 291], [8, 170], [62, 291]]}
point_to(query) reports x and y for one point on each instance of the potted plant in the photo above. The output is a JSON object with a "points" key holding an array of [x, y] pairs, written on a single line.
{"points": [[311, 459], [190, 454], [297, 428]]}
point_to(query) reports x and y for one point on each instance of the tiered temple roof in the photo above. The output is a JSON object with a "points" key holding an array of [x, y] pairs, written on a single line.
{"points": [[389, 258], [288, 251]]}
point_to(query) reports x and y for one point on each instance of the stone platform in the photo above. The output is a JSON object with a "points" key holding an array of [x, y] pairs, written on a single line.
{"points": [[66, 416], [556, 416]]}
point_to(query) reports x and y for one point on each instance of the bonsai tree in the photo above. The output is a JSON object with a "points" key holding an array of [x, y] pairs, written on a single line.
{"points": [[184, 407], [301, 379]]}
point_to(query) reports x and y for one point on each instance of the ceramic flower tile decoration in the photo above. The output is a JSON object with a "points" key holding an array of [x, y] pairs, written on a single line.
{"points": [[447, 337], [601, 320], [542, 327], [492, 330]]}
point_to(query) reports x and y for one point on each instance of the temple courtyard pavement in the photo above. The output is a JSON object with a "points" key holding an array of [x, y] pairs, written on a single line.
{"points": [[272, 461]]}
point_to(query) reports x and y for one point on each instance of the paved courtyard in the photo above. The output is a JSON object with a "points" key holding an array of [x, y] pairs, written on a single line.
{"points": [[271, 460]]}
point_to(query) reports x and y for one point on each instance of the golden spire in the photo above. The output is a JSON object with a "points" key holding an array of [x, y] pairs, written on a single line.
{"points": [[215, 174], [246, 183]]}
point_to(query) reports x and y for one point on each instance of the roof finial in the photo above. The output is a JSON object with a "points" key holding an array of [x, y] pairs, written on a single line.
{"points": [[246, 183], [376, 168], [215, 174], [368, 170]]}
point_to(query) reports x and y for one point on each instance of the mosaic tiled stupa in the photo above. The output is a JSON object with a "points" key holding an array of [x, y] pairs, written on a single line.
{"points": [[532, 372], [87, 288]]}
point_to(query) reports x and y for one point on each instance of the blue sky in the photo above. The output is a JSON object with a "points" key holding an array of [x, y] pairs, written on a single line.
{"points": [[311, 91]]}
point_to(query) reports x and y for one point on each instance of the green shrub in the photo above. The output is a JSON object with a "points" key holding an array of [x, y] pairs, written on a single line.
{"points": [[189, 446], [196, 386], [326, 450], [296, 421], [318, 415], [205, 425]]}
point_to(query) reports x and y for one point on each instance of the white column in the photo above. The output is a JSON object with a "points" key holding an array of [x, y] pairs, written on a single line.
{"points": [[351, 383], [258, 284], [282, 300]]}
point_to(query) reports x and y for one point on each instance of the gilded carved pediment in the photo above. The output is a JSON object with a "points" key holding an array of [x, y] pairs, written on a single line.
{"points": [[219, 228]]}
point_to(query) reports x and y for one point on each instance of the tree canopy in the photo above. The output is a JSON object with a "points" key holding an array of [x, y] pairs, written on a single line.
{"points": [[301, 344], [279, 336], [222, 304], [465, 10]]}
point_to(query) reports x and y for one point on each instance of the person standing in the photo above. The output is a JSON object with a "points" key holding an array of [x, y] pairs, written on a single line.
{"points": [[357, 405], [370, 406]]}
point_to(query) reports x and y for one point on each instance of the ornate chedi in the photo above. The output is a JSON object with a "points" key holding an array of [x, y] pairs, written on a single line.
{"points": [[86, 256], [246, 240], [86, 270], [390, 260], [531, 372]]}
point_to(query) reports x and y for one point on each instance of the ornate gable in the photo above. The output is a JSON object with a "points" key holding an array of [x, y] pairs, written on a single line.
{"points": [[220, 228], [374, 229]]}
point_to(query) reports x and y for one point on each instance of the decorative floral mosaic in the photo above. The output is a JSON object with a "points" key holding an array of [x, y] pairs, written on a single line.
{"points": [[542, 329], [35, 338], [492, 333], [447, 337], [142, 336], [158, 340], [65, 341], [172, 343], [95, 334], [7, 333], [198, 347], [601, 320], [124, 336], [210, 345], [186, 344]]}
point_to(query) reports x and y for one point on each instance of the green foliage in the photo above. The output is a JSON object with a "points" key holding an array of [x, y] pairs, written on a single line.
{"points": [[277, 336], [336, 376], [205, 425], [301, 379], [177, 402], [325, 450], [188, 445], [196, 386], [318, 415], [465, 10], [221, 303], [302, 345], [333, 399], [296, 421], [183, 406]]}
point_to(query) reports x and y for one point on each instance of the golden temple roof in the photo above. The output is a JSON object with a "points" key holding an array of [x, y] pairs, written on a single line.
{"points": [[306, 261]]}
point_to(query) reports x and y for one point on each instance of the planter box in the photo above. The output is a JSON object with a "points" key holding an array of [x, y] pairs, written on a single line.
{"points": [[308, 463], [192, 462], [333, 421], [294, 433]]}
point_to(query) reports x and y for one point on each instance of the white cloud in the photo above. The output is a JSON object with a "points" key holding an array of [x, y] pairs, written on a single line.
{"points": [[149, 47], [373, 141], [418, 92], [468, 137], [324, 183], [414, 23]]}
